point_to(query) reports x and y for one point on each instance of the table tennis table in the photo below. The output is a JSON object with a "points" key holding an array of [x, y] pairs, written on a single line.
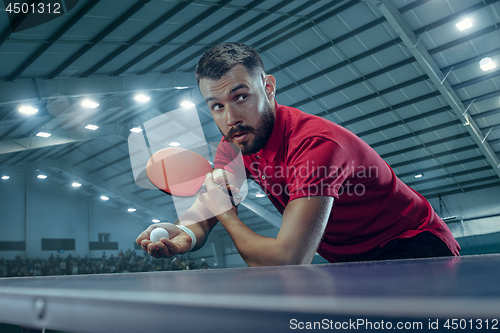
{"points": [[461, 292]]}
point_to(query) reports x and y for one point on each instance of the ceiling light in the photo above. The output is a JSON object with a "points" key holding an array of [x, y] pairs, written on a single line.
{"points": [[419, 175], [75, 184], [180, 88], [187, 104], [41, 176], [136, 130], [92, 127], [156, 221], [43, 134], [260, 195], [90, 104], [5, 177], [142, 98], [27, 110], [103, 197], [174, 144], [465, 24], [487, 64], [132, 210]]}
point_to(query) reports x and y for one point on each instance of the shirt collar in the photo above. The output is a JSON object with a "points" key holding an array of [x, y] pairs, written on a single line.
{"points": [[273, 145]]}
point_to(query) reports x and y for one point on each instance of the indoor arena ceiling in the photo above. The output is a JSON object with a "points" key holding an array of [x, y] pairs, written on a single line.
{"points": [[400, 74]]}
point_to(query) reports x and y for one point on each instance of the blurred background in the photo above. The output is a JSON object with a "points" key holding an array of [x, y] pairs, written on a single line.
{"points": [[75, 84]]}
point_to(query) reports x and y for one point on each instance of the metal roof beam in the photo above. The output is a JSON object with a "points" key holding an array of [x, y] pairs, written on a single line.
{"points": [[376, 73], [21, 169], [461, 185], [272, 24], [416, 100], [439, 167], [20, 19], [128, 14], [91, 4], [425, 60], [452, 175], [201, 36], [427, 145], [433, 156], [164, 18], [312, 21], [369, 25], [34, 142], [227, 36], [468, 189], [189, 25], [27, 91], [421, 116]]}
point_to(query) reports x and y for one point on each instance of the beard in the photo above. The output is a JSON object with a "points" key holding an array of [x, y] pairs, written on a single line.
{"points": [[261, 134]]}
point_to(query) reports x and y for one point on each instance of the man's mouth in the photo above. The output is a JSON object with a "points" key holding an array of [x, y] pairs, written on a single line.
{"points": [[239, 137]]}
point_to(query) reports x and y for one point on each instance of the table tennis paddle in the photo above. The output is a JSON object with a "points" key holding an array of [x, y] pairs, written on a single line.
{"points": [[180, 172]]}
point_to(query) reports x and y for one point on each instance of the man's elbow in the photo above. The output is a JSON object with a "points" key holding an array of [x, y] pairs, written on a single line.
{"points": [[280, 259]]}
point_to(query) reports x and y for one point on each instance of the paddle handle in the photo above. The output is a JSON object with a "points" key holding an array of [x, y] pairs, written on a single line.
{"points": [[231, 195]]}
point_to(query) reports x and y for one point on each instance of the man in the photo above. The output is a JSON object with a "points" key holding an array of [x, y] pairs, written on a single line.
{"points": [[336, 194]]}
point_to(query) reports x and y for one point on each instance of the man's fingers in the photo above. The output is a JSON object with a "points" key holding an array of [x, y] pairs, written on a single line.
{"points": [[144, 244], [143, 236], [209, 182], [167, 248], [233, 188], [152, 250]]}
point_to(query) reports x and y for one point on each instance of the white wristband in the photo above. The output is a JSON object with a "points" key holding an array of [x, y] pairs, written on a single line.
{"points": [[190, 233]]}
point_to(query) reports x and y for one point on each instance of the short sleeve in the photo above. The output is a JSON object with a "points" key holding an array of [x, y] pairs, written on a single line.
{"points": [[318, 167], [229, 158]]}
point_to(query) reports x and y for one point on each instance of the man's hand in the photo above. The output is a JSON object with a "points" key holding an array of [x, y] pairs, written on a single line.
{"points": [[179, 242], [215, 198]]}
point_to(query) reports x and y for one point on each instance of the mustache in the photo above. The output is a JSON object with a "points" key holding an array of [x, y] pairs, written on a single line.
{"points": [[239, 129]]}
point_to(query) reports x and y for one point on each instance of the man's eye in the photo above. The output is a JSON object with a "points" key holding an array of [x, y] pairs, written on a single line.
{"points": [[240, 98], [216, 107]]}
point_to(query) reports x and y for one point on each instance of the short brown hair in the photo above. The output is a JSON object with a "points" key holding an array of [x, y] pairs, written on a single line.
{"points": [[221, 58]]}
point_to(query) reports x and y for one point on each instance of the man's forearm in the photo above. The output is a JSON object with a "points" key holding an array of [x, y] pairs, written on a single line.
{"points": [[201, 229], [255, 249]]}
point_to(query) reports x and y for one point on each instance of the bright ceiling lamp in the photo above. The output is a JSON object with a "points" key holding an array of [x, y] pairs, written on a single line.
{"points": [[27, 109], [5, 177], [260, 195], [136, 130], [41, 176], [419, 175], [174, 144], [187, 104], [156, 221], [104, 198], [91, 127], [131, 210], [142, 98], [465, 24], [43, 134], [76, 184], [90, 104], [487, 64]]}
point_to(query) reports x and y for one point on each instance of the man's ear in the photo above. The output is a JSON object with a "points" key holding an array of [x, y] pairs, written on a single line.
{"points": [[270, 86]]}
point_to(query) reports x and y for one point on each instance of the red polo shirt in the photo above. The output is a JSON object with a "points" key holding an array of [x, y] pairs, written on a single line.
{"points": [[308, 155]]}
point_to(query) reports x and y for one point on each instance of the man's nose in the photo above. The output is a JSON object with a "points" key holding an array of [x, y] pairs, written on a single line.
{"points": [[233, 116]]}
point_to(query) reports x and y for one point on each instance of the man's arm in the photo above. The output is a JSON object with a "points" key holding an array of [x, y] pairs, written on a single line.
{"points": [[197, 218], [304, 221]]}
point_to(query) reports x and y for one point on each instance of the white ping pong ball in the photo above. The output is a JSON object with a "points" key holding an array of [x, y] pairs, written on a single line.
{"points": [[158, 233]]}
